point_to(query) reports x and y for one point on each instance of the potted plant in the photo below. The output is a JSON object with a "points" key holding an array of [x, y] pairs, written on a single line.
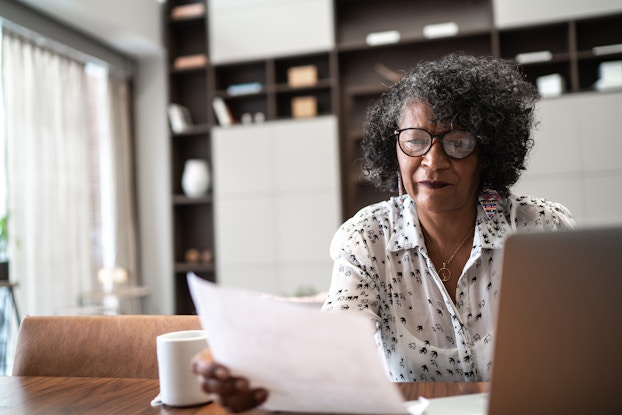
{"points": [[4, 247]]}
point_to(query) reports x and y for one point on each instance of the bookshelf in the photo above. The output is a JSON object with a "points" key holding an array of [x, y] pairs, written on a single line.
{"points": [[348, 76]]}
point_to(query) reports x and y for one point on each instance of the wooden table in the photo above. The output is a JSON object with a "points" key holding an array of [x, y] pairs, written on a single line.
{"points": [[26, 395]]}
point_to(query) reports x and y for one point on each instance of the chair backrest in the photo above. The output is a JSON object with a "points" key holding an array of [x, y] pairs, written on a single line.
{"points": [[94, 346]]}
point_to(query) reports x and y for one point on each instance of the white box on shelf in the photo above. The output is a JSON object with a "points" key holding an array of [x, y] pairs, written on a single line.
{"points": [[610, 75], [610, 70], [550, 86]]}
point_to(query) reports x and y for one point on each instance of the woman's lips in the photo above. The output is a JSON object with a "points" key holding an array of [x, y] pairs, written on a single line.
{"points": [[433, 184]]}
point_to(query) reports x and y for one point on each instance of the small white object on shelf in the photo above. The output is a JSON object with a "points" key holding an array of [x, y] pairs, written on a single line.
{"points": [[246, 118], [435, 31], [532, 57], [607, 49], [383, 38], [179, 118], [610, 75], [550, 86], [195, 180], [259, 117]]}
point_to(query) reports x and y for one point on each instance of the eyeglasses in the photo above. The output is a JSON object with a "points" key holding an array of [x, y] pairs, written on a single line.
{"points": [[416, 142]]}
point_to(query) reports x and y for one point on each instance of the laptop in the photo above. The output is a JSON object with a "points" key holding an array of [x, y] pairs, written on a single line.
{"points": [[558, 347]]}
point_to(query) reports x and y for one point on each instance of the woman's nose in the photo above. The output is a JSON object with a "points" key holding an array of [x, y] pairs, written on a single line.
{"points": [[436, 158]]}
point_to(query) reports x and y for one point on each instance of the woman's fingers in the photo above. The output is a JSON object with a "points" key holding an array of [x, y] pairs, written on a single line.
{"points": [[231, 392], [225, 386], [243, 401]]}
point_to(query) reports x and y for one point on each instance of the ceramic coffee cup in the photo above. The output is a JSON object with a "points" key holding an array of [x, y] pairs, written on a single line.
{"points": [[179, 386]]}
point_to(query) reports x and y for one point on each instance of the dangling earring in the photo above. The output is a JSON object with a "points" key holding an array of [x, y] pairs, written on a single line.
{"points": [[400, 190]]}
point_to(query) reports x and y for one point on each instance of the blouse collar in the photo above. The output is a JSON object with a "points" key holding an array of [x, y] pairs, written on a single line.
{"points": [[491, 224]]}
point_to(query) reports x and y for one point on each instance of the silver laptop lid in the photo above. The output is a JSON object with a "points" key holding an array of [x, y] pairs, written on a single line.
{"points": [[558, 347]]}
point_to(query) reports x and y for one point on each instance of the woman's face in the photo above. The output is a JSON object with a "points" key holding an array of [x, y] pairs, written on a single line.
{"points": [[436, 182]]}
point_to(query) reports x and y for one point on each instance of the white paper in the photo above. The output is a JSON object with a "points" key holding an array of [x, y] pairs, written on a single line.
{"points": [[471, 404], [309, 360]]}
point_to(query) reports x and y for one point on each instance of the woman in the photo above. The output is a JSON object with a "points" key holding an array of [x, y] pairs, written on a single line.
{"points": [[452, 134]]}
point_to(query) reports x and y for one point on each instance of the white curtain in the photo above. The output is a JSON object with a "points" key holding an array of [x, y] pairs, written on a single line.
{"points": [[124, 243], [111, 126], [67, 149]]}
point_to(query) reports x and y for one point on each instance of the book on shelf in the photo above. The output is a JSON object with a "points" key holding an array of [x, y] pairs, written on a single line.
{"points": [[223, 115], [187, 11], [179, 118], [190, 61], [245, 88]]}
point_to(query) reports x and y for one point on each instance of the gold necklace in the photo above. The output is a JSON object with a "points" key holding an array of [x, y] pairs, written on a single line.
{"points": [[444, 272]]}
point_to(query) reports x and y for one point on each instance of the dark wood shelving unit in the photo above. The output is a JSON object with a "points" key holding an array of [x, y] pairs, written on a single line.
{"points": [[349, 78], [193, 218], [275, 95], [576, 47], [593, 38]]}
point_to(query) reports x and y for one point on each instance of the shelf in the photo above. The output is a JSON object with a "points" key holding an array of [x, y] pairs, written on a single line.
{"points": [[320, 85], [184, 267], [271, 91], [180, 199], [321, 63], [184, 20], [189, 86], [359, 68], [187, 37], [598, 40], [530, 41], [190, 90], [193, 130], [356, 19], [201, 70], [598, 32]]}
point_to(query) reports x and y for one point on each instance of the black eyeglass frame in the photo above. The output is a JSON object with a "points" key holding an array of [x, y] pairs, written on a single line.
{"points": [[440, 137]]}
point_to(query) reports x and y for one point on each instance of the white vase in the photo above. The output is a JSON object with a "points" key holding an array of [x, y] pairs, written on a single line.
{"points": [[195, 179]]}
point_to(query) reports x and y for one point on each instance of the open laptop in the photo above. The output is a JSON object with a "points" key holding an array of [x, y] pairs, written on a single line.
{"points": [[558, 347]]}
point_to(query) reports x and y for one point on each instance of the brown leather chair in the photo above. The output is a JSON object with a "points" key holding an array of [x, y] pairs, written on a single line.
{"points": [[94, 346]]}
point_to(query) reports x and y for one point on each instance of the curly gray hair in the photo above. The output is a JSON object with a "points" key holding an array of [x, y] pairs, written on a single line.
{"points": [[488, 96]]}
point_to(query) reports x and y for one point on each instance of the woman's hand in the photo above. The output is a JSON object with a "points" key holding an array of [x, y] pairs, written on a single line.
{"points": [[231, 392]]}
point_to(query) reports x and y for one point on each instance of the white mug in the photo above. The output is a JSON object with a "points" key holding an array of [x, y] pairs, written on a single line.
{"points": [[179, 385]]}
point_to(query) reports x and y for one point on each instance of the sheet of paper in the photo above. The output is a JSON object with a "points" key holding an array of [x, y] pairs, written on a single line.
{"points": [[309, 360], [472, 404]]}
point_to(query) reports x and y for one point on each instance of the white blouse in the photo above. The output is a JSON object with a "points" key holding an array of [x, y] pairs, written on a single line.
{"points": [[382, 268]]}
